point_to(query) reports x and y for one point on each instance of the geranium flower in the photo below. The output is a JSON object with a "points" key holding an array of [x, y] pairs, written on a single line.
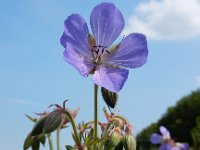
{"points": [[166, 142], [94, 54], [163, 139]]}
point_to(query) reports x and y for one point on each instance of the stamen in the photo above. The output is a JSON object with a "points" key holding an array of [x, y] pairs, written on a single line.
{"points": [[123, 37], [97, 51]]}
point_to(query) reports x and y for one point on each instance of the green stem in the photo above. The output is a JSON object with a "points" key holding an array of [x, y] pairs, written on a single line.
{"points": [[50, 141], [58, 138], [95, 114], [77, 139]]}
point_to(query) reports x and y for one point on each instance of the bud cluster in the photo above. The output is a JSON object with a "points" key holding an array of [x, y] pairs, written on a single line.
{"points": [[46, 124], [116, 133]]}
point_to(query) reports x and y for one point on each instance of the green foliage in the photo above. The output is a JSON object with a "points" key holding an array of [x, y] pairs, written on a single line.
{"points": [[143, 139], [196, 134], [181, 120]]}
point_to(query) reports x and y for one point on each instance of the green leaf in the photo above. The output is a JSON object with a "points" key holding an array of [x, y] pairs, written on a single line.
{"points": [[89, 138], [120, 146], [28, 142], [69, 147], [36, 144], [52, 122], [64, 126], [109, 97], [38, 127], [31, 118], [42, 139], [74, 138]]}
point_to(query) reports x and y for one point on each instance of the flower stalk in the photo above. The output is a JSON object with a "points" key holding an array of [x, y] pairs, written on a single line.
{"points": [[95, 114], [77, 139], [58, 138], [50, 141]]}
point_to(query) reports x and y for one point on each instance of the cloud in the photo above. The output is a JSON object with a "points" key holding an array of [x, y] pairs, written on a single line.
{"points": [[198, 79], [20, 102], [166, 19]]}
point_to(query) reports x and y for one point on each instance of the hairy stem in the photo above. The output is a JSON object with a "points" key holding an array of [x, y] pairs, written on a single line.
{"points": [[58, 138], [77, 139], [50, 141], [95, 114]]}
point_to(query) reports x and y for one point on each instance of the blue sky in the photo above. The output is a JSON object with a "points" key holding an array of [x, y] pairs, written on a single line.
{"points": [[34, 75]]}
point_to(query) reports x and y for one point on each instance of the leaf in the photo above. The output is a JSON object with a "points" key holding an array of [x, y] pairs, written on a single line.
{"points": [[120, 146], [89, 138], [36, 145], [42, 139], [28, 142], [52, 122], [74, 138], [64, 126], [38, 127], [109, 97], [31, 118], [69, 147]]}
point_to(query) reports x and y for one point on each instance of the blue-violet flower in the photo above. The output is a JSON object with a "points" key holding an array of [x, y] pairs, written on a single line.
{"points": [[94, 54], [166, 142]]}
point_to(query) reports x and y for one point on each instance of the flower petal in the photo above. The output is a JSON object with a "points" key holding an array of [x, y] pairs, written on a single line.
{"points": [[63, 40], [165, 132], [107, 23], [132, 52], [184, 146], [76, 32], [82, 64], [112, 79], [174, 148], [165, 146], [162, 147], [156, 138]]}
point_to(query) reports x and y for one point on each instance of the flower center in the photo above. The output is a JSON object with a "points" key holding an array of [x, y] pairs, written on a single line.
{"points": [[97, 52]]}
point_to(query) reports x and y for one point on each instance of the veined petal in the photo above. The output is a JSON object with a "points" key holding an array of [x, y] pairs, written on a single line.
{"points": [[175, 148], [184, 146], [164, 132], [165, 146], [112, 79], [63, 40], [81, 63], [77, 34], [132, 52], [156, 138], [107, 23]]}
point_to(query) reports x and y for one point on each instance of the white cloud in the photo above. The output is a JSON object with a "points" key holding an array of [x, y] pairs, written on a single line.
{"points": [[166, 19], [19, 101], [198, 79]]}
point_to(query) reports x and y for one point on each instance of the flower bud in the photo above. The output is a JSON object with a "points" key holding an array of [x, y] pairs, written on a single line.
{"points": [[28, 142], [109, 97], [38, 127], [52, 122], [130, 143], [68, 147], [115, 139]]}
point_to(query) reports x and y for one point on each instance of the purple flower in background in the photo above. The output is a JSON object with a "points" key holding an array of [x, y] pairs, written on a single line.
{"points": [[95, 55], [163, 139], [166, 142]]}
